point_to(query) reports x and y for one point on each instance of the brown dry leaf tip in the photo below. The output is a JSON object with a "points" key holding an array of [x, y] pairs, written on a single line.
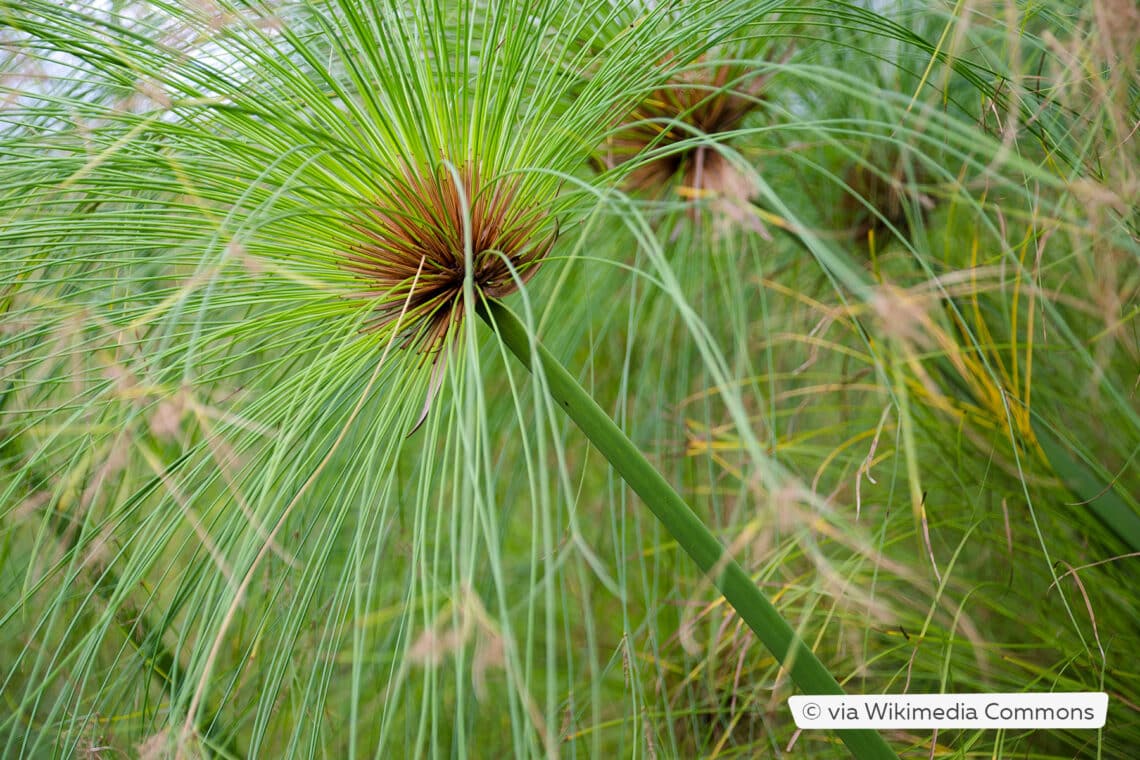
{"points": [[706, 100], [412, 259]]}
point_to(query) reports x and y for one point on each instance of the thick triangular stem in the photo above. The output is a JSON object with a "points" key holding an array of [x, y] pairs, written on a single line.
{"points": [[808, 673]]}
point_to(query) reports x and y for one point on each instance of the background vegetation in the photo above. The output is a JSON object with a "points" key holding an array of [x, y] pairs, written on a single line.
{"points": [[860, 279]]}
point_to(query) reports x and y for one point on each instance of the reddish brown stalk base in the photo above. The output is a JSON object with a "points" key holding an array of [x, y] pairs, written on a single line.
{"points": [[707, 100], [413, 257]]}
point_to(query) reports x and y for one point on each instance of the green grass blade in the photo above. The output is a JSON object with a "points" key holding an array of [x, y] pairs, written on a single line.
{"points": [[682, 523], [1091, 489]]}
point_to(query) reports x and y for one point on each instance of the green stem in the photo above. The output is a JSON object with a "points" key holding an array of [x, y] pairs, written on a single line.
{"points": [[808, 673], [1094, 492]]}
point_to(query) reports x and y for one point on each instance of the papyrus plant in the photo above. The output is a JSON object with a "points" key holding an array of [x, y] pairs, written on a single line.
{"points": [[268, 486], [247, 246]]}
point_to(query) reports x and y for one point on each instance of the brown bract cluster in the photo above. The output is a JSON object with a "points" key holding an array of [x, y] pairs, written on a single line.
{"points": [[413, 258], [700, 101]]}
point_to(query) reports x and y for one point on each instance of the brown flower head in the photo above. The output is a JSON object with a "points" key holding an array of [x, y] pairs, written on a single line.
{"points": [[706, 100], [413, 260]]}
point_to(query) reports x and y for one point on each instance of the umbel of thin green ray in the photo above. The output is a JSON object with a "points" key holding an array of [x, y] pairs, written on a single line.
{"points": [[709, 99], [673, 143]]}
